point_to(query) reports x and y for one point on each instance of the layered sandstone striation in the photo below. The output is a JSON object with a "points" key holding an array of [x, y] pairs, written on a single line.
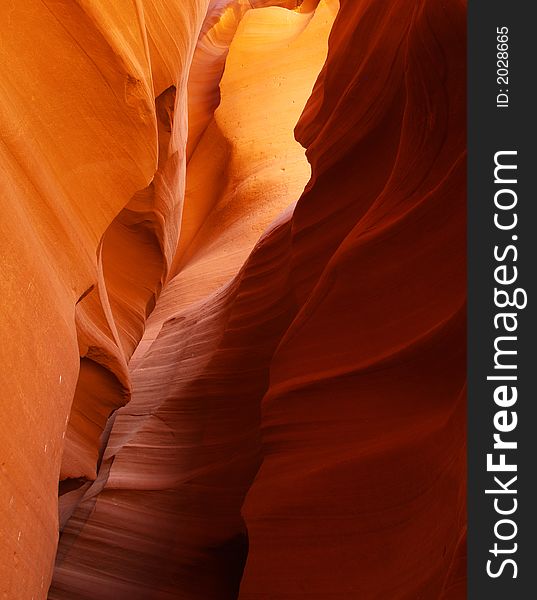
{"points": [[186, 447], [246, 389], [93, 164]]}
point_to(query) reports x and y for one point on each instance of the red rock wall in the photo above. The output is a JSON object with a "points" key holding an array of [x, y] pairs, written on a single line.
{"points": [[361, 491]]}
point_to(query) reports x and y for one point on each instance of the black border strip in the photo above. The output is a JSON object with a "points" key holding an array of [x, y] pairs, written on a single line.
{"points": [[492, 129]]}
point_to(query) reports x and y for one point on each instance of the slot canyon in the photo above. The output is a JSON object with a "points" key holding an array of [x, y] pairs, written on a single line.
{"points": [[233, 273]]}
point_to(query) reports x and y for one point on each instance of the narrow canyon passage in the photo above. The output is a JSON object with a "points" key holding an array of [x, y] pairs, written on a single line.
{"points": [[239, 236], [185, 449]]}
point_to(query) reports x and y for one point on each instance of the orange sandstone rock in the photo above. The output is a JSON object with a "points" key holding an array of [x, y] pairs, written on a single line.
{"points": [[79, 139], [183, 450]]}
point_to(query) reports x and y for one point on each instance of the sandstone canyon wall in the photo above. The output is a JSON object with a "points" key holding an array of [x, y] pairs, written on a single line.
{"points": [[237, 356]]}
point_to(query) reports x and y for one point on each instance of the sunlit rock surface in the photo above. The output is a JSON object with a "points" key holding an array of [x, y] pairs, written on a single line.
{"points": [[244, 389], [186, 448]]}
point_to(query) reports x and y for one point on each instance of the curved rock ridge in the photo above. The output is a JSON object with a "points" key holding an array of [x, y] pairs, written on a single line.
{"points": [[93, 133], [181, 444], [133, 260], [138, 247], [361, 492], [70, 161], [241, 176]]}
